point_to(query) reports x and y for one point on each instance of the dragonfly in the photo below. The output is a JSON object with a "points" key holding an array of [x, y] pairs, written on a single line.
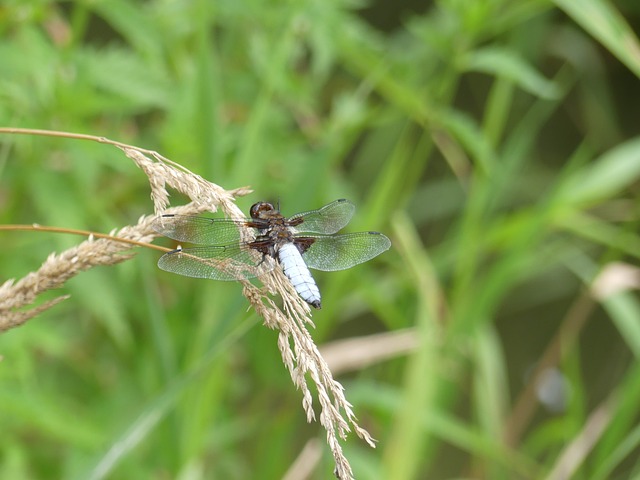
{"points": [[230, 249]]}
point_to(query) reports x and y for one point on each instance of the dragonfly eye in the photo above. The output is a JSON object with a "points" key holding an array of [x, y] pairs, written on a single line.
{"points": [[257, 209]]}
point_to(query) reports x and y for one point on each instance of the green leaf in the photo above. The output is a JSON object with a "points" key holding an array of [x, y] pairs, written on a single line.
{"points": [[507, 64], [154, 412], [603, 22], [120, 73], [466, 130], [624, 310], [608, 175]]}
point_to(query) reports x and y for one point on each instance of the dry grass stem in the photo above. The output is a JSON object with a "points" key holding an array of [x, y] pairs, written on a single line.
{"points": [[308, 458], [354, 354], [299, 352], [10, 319], [58, 268], [303, 360], [574, 454]]}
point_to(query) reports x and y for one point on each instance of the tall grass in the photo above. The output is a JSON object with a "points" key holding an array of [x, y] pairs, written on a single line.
{"points": [[495, 143]]}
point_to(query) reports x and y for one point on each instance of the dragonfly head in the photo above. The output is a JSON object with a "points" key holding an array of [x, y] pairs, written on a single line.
{"points": [[262, 210]]}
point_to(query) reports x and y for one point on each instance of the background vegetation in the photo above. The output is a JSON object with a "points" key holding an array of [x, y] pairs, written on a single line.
{"points": [[495, 141]]}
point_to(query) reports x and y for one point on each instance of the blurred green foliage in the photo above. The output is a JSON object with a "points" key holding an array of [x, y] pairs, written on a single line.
{"points": [[495, 141]]}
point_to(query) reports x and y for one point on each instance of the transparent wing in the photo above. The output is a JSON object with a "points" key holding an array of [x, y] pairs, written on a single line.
{"points": [[205, 231], [234, 262], [338, 252], [328, 219]]}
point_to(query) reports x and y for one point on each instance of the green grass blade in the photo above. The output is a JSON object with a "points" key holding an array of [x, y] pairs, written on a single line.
{"points": [[607, 25]]}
